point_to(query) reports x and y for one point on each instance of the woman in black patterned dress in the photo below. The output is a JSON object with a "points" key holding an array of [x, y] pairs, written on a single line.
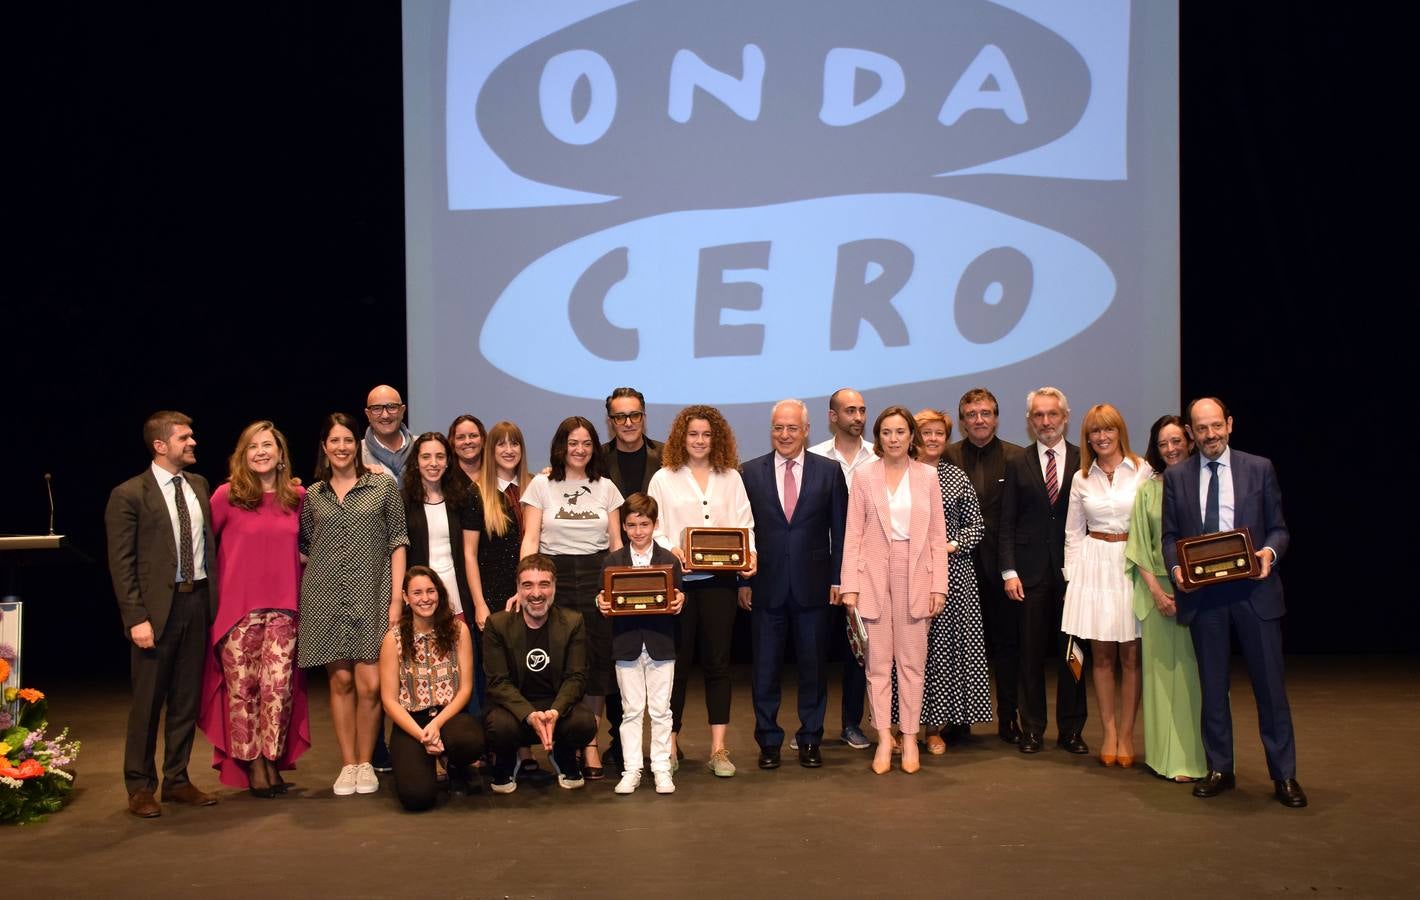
{"points": [[955, 690], [352, 529]]}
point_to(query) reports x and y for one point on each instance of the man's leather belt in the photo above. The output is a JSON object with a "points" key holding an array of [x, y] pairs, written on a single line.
{"points": [[187, 587]]}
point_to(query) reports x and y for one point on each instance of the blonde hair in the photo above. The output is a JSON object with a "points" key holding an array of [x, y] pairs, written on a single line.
{"points": [[496, 520], [1103, 415]]}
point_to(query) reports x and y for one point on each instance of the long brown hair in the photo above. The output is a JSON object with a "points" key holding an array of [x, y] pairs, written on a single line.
{"points": [[496, 520], [724, 453], [244, 487], [446, 632]]}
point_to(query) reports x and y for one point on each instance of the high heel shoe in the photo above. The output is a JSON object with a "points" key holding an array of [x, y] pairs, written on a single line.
{"points": [[911, 768], [881, 766], [1109, 759], [1125, 762]]}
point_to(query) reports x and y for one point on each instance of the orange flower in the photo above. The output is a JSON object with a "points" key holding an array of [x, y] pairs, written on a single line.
{"points": [[30, 768], [30, 695], [4, 669]]}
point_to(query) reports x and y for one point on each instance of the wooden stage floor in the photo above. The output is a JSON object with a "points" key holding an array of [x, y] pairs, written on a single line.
{"points": [[982, 821]]}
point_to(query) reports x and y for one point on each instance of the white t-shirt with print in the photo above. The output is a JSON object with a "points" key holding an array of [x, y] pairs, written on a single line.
{"points": [[574, 513]]}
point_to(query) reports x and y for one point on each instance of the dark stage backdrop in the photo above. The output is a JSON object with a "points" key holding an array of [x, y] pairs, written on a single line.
{"points": [[213, 221]]}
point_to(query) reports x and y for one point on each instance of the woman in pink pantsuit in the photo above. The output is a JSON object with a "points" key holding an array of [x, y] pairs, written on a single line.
{"points": [[253, 695], [895, 575]]}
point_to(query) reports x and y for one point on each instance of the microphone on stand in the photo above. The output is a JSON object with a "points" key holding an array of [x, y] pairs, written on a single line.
{"points": [[49, 487]]}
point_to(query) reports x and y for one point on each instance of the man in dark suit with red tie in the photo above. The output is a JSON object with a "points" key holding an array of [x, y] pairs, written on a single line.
{"points": [[1219, 490], [800, 504], [1034, 500], [161, 556]]}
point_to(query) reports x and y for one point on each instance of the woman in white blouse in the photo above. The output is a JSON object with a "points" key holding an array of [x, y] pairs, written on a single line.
{"points": [[434, 503], [1099, 595], [699, 484], [572, 514]]}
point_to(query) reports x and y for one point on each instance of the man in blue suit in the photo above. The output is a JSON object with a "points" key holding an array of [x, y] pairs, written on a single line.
{"points": [[800, 504], [1219, 490]]}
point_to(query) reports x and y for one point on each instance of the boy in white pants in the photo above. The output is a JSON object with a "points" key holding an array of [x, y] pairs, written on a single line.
{"points": [[644, 649]]}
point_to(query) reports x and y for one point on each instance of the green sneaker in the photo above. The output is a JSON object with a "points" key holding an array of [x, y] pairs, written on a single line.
{"points": [[720, 765]]}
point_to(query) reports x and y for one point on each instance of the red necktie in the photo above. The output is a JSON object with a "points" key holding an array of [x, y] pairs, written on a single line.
{"points": [[513, 495]]}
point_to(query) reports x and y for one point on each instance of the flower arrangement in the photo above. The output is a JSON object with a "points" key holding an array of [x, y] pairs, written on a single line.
{"points": [[35, 776]]}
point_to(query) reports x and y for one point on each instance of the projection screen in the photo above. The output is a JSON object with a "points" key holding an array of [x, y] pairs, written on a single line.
{"points": [[736, 202]]}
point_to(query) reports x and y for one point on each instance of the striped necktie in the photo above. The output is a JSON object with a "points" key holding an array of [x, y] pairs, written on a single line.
{"points": [[1052, 481]]}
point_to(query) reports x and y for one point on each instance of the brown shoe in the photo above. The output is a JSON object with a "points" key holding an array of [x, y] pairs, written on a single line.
{"points": [[935, 745], [187, 793], [142, 805]]}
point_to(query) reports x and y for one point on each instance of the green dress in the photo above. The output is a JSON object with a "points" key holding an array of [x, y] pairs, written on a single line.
{"points": [[1173, 702]]}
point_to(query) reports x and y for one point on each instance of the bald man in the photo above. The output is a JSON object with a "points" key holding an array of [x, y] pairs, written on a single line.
{"points": [[387, 441]]}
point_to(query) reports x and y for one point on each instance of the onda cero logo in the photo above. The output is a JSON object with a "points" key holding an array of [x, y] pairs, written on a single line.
{"points": [[783, 169]]}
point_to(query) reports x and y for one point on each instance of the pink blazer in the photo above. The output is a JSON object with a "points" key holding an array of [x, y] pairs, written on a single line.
{"points": [[869, 530]]}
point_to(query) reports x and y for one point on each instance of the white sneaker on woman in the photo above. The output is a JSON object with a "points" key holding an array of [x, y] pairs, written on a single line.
{"points": [[345, 784], [366, 782]]}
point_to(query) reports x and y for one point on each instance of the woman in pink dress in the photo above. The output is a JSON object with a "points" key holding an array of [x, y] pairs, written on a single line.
{"points": [[253, 695]]}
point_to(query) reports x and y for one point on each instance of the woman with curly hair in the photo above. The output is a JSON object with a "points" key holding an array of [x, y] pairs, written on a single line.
{"points": [[699, 485], [426, 668], [253, 696]]}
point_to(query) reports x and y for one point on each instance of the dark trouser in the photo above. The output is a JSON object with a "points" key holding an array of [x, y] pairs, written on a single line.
{"points": [[855, 680], [1001, 617], [578, 581], [1261, 643], [1042, 644], [415, 780], [706, 623], [170, 673], [506, 734], [770, 627]]}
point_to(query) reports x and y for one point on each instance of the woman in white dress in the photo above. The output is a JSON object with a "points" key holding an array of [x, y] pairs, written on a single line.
{"points": [[1099, 596]]}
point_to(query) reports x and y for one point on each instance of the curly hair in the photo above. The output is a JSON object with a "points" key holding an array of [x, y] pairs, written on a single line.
{"points": [[454, 488], [446, 631], [724, 454]]}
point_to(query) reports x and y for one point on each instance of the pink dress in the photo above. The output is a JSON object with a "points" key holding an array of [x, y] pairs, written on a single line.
{"points": [[258, 568]]}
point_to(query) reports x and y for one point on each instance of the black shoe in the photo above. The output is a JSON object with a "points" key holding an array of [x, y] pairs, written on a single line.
{"points": [[1214, 783], [809, 756], [1073, 743], [1031, 743], [769, 757], [611, 759], [1010, 732], [1289, 793], [381, 761], [532, 773]]}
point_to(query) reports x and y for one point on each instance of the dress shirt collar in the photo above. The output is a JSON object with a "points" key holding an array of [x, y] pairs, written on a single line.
{"points": [[640, 559], [164, 477], [1225, 460], [1125, 463], [779, 461]]}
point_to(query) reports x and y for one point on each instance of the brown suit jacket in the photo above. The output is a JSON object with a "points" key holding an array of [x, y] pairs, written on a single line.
{"points": [[505, 648], [142, 554]]}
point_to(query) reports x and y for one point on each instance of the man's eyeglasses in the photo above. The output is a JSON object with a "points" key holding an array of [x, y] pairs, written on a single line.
{"points": [[390, 408], [624, 418]]}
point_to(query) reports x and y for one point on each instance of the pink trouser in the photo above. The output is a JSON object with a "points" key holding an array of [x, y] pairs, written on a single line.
{"points": [[897, 637], [256, 667]]}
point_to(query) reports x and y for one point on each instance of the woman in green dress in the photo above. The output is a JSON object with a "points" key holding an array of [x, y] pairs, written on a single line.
{"points": [[1173, 742]]}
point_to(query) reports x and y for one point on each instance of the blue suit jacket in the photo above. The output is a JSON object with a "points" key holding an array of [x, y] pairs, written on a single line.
{"points": [[802, 558], [1257, 506]]}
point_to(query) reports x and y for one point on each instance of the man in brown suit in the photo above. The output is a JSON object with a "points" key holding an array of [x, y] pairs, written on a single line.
{"points": [[162, 559]]}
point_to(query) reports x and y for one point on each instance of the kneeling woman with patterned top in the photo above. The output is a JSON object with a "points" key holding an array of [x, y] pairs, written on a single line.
{"points": [[426, 678]]}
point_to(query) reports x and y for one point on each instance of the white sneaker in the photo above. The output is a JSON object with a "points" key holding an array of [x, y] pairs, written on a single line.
{"points": [[345, 784], [366, 782], [664, 784], [628, 783]]}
